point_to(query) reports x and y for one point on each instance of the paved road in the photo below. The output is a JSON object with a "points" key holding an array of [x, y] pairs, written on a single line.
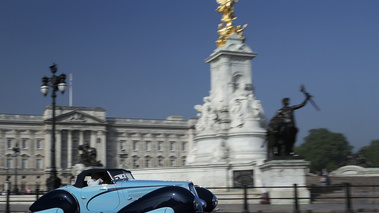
{"points": [[231, 208], [322, 208]]}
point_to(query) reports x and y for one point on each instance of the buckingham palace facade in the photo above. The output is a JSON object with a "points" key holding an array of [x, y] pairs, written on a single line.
{"points": [[120, 143]]}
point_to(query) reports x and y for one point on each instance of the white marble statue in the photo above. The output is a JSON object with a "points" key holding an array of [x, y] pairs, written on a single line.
{"points": [[208, 116], [244, 106]]}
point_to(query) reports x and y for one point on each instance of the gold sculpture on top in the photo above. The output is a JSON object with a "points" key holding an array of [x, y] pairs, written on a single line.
{"points": [[227, 28]]}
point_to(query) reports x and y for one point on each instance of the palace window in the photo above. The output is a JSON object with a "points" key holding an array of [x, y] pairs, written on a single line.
{"points": [[9, 144], [39, 144], [135, 145], [135, 163], [160, 162], [172, 162], [9, 163], [184, 146], [160, 145], [122, 145], [172, 146], [24, 163], [39, 164], [147, 162], [148, 145], [122, 162], [24, 143]]}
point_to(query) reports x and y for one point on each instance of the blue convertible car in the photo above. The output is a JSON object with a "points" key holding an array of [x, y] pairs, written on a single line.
{"points": [[120, 192]]}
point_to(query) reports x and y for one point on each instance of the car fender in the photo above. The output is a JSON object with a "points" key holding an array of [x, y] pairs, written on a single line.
{"points": [[56, 201], [176, 198], [208, 197]]}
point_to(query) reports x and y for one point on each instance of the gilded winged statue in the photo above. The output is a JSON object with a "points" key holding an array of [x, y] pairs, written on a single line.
{"points": [[227, 10], [227, 28]]}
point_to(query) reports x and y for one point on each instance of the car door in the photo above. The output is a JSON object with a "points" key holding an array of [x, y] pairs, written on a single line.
{"points": [[100, 198]]}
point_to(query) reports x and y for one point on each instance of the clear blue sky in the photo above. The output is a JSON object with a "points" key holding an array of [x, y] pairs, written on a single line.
{"points": [[145, 58]]}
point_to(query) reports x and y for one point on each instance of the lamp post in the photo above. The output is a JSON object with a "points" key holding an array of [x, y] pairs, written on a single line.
{"points": [[16, 151], [56, 83]]}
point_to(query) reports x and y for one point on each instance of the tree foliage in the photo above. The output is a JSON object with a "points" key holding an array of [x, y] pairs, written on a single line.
{"points": [[324, 149], [371, 152]]}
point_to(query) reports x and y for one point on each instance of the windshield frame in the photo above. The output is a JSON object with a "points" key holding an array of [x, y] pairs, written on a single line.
{"points": [[120, 175]]}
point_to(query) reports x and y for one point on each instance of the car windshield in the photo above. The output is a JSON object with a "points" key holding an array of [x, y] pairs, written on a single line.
{"points": [[118, 175]]}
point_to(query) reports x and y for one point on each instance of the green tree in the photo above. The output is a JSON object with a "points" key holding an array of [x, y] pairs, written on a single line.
{"points": [[324, 149], [371, 152]]}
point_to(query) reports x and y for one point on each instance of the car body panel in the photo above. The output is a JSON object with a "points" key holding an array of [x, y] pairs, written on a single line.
{"points": [[100, 198]]}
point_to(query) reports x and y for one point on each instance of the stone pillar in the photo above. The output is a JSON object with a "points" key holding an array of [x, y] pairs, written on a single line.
{"points": [[3, 148], [166, 149], [69, 148], [32, 148], [93, 137], [58, 149], [102, 147], [47, 147], [81, 137]]}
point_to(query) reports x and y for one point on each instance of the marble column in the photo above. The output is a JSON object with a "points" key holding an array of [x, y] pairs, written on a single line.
{"points": [[69, 148], [3, 148], [81, 137], [32, 148], [93, 137], [47, 147], [58, 149], [102, 151]]}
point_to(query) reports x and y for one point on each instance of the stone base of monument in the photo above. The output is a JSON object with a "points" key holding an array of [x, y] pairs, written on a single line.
{"points": [[285, 173], [216, 177]]}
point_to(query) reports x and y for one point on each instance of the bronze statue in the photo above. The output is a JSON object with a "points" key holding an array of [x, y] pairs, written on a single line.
{"points": [[282, 130], [88, 156]]}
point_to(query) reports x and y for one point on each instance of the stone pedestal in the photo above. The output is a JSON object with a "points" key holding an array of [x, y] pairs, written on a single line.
{"points": [[231, 124], [212, 175], [285, 173]]}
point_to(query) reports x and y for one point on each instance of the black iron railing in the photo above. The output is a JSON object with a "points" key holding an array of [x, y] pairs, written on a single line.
{"points": [[346, 194], [341, 193]]}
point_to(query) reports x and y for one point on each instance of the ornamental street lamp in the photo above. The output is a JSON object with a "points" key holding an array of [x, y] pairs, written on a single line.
{"points": [[16, 151], [56, 83]]}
